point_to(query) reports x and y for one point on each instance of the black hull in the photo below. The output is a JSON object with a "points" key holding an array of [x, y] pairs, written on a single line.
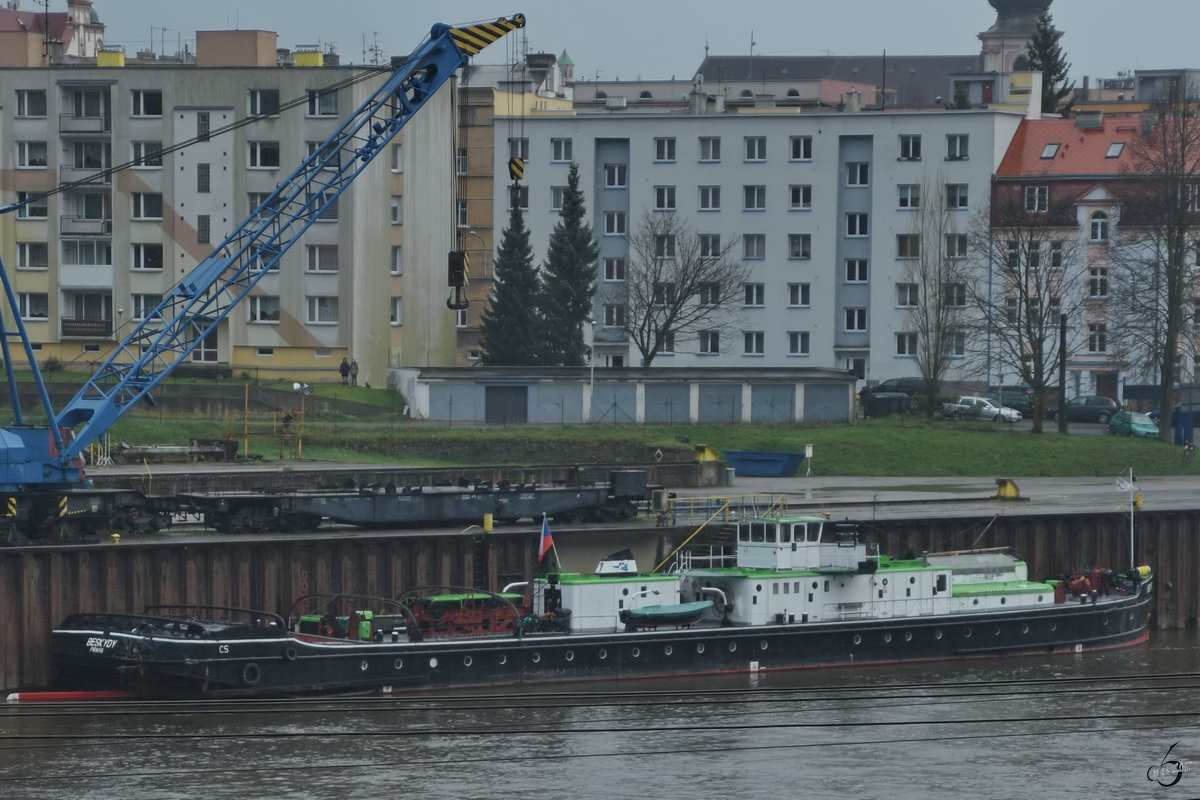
{"points": [[285, 665]]}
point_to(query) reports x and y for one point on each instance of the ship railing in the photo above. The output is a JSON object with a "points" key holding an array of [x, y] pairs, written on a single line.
{"points": [[725, 508], [706, 557]]}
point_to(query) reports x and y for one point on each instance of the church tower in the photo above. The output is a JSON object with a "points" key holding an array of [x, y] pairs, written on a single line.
{"points": [[1006, 42]]}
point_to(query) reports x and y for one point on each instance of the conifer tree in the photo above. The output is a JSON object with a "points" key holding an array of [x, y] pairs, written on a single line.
{"points": [[510, 328], [568, 280], [1046, 56]]}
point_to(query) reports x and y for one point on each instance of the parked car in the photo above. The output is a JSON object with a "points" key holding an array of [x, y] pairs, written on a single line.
{"points": [[1088, 408], [1133, 423], [1021, 401], [972, 407], [904, 385]]}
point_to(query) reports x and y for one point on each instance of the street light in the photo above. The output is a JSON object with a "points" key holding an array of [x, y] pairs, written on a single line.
{"points": [[592, 356], [483, 247]]}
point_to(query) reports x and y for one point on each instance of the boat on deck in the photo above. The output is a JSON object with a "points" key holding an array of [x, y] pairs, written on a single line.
{"points": [[791, 592]]}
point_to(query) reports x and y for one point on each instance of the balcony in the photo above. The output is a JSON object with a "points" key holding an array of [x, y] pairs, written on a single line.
{"points": [[88, 328], [85, 226], [69, 123], [95, 176]]}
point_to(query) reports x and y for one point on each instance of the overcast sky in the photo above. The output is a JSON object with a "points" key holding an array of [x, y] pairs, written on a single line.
{"points": [[629, 39]]}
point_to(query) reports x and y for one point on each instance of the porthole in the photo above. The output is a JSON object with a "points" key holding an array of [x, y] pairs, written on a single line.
{"points": [[1104, 620], [966, 633], [363, 665], [887, 638], [1003, 600], [733, 647], [467, 661], [758, 587], [536, 658], [1053, 627], [570, 656], [603, 654], [815, 585], [762, 645], [625, 591], [433, 662], [1039, 598], [912, 579], [975, 601], [700, 647], [636, 652], [503, 660], [885, 581], [398, 663], [908, 636], [668, 650], [937, 634], [1024, 628], [857, 639], [996, 631]]}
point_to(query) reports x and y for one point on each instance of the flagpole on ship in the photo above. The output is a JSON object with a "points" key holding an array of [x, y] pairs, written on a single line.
{"points": [[547, 543]]}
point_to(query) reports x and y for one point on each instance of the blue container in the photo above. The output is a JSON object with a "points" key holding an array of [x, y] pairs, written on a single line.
{"points": [[763, 464]]}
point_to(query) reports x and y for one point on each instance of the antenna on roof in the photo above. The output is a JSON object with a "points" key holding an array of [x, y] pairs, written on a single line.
{"points": [[752, 43]]}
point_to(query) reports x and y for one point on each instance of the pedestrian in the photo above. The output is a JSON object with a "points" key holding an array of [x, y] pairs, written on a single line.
{"points": [[344, 369], [354, 372]]}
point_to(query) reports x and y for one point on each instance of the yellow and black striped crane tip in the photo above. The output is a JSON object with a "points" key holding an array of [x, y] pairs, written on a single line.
{"points": [[470, 39]]}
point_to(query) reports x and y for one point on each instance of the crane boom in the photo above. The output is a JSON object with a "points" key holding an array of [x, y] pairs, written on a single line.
{"points": [[48, 458]]}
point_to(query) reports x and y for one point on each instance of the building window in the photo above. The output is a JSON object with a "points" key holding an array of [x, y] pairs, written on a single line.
{"points": [[664, 148], [147, 103], [560, 150], [910, 195], [1115, 149], [31, 102], [907, 295], [203, 178], [908, 245], [710, 198], [1012, 254], [1033, 257], [518, 148], [203, 229], [1056, 255], [801, 148], [956, 195], [667, 348], [31, 155], [799, 245], [1012, 310], [614, 269], [799, 295], [664, 245], [797, 343], [34, 305], [146, 205], [710, 245], [663, 294], [710, 148], [856, 224], [958, 346], [710, 294], [143, 305], [754, 245], [396, 316], [910, 147], [755, 198], [557, 193], [461, 214], [956, 147], [956, 245], [147, 155], [1099, 226], [147, 256], [460, 161], [756, 294], [752, 343], [1097, 337], [856, 270], [264, 309], [856, 319], [264, 102], [615, 176], [906, 344], [397, 265], [33, 255], [264, 155], [614, 315], [519, 195], [1098, 282], [710, 342], [460, 318], [322, 310], [664, 198], [800, 197], [955, 295], [397, 209], [325, 154], [322, 104], [321, 257], [614, 223], [756, 148], [1037, 198], [858, 173], [87, 253], [203, 126], [33, 206]]}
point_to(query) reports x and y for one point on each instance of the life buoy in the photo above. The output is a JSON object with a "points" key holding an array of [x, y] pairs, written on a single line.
{"points": [[289, 654], [437, 610], [251, 674]]}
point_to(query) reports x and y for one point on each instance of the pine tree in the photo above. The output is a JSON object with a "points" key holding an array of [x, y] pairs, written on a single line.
{"points": [[1046, 56], [510, 328], [568, 280]]}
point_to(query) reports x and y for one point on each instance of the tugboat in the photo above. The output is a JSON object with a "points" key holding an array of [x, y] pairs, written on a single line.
{"points": [[791, 592]]}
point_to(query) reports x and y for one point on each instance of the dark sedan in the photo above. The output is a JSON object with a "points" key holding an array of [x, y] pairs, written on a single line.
{"points": [[1088, 408]]}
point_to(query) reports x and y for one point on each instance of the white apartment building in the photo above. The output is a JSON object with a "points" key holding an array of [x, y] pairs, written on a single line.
{"points": [[820, 203]]}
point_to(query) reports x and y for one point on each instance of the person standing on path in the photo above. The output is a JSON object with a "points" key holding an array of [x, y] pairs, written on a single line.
{"points": [[344, 370], [354, 372]]}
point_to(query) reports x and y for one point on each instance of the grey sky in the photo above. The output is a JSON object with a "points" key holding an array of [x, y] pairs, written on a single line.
{"points": [[663, 38]]}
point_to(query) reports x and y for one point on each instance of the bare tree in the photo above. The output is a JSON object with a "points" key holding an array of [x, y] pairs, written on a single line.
{"points": [[678, 283], [1028, 277], [935, 286], [1156, 284]]}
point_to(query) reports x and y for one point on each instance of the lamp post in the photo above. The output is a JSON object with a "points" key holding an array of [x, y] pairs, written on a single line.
{"points": [[482, 247], [592, 355]]}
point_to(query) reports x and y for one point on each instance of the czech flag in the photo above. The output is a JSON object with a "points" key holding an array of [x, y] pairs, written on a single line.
{"points": [[547, 539]]}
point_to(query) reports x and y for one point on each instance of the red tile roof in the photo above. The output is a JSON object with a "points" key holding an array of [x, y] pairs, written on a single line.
{"points": [[1081, 151], [34, 22]]}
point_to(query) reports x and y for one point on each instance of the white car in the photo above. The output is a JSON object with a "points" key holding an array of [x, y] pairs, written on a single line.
{"points": [[981, 408]]}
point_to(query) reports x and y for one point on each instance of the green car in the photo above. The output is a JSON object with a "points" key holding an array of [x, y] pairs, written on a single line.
{"points": [[1132, 423]]}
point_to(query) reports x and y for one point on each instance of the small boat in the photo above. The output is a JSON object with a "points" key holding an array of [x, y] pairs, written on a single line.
{"points": [[790, 592]]}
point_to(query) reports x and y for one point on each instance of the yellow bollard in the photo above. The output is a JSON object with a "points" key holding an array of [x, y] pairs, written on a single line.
{"points": [[116, 538], [487, 523]]}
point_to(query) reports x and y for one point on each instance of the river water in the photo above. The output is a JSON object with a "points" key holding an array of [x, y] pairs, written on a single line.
{"points": [[1096, 724]]}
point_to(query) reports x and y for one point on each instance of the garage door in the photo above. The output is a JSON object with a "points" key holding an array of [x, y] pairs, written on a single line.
{"points": [[506, 405]]}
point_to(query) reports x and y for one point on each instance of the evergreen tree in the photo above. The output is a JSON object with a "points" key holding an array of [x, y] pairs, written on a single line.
{"points": [[1046, 56], [510, 328], [568, 280]]}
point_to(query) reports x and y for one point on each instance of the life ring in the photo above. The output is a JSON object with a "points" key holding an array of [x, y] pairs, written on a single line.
{"points": [[437, 610], [251, 674], [289, 654]]}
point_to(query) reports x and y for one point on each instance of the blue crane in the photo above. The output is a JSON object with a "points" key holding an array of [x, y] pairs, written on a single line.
{"points": [[40, 464]]}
